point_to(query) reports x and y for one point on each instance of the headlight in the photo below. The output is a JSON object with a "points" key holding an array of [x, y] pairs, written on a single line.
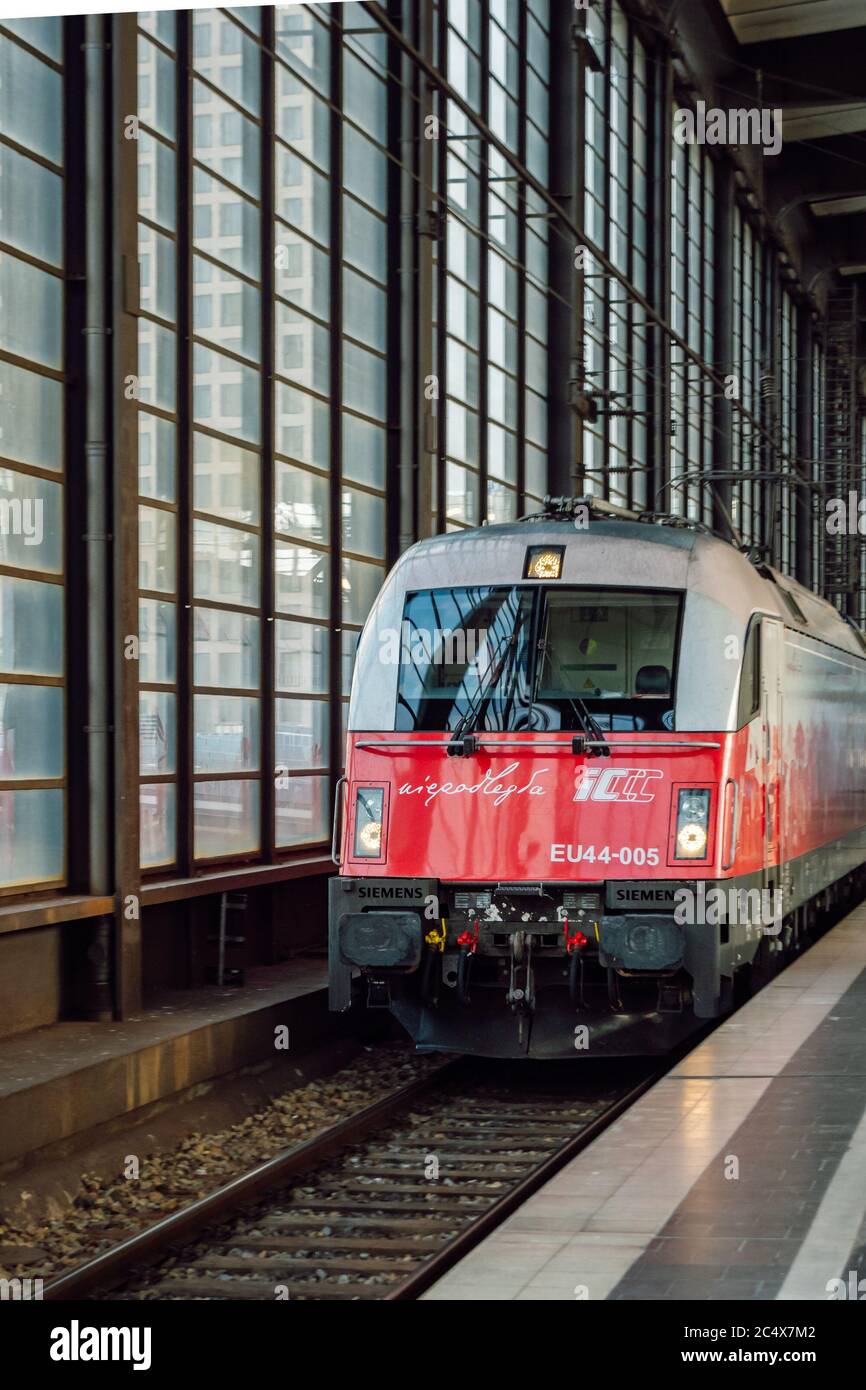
{"points": [[693, 815], [544, 562], [368, 822]]}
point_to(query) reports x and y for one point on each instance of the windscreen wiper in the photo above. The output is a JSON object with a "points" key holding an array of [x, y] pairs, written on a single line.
{"points": [[590, 725], [463, 743], [595, 746]]}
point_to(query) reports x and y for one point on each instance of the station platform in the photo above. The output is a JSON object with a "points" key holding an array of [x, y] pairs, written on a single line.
{"points": [[66, 1079], [738, 1176]]}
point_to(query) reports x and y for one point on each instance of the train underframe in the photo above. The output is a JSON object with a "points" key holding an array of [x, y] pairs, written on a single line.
{"points": [[553, 970]]}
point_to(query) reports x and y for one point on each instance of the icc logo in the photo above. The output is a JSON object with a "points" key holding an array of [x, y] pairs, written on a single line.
{"points": [[614, 783]]}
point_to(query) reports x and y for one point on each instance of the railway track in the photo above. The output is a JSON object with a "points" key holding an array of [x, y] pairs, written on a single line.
{"points": [[376, 1207]]}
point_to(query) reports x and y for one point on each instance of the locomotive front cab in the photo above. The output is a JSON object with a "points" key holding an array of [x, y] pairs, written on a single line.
{"points": [[522, 802]]}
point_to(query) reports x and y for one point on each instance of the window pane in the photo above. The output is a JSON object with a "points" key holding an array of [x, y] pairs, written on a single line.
{"points": [[303, 120], [302, 577], [302, 426], [301, 272], [363, 451], [303, 812], [365, 97], [31, 836], [250, 15], [227, 479], [225, 394], [301, 657], [157, 628], [501, 453], [157, 367], [364, 239], [301, 349], [158, 813], [304, 43], [31, 417], [363, 381], [31, 522], [225, 564], [363, 523], [156, 453], [348, 649], [157, 276], [226, 649], [31, 319], [364, 310], [160, 23], [31, 207], [31, 102], [156, 101], [462, 494], [31, 731], [301, 195], [225, 309], [226, 818], [226, 733], [229, 58], [301, 733], [226, 140], [365, 169], [31, 627], [501, 502], [157, 565], [225, 224], [156, 187], [156, 732], [302, 502], [44, 34], [361, 584]]}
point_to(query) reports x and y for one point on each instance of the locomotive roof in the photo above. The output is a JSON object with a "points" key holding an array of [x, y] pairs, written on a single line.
{"points": [[723, 590], [612, 553]]}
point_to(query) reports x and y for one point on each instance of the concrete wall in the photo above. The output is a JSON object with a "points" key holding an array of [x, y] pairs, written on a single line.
{"points": [[30, 993]]}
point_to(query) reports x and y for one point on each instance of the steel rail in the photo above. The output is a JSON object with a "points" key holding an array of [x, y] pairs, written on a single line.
{"points": [[109, 1268], [454, 1250]]}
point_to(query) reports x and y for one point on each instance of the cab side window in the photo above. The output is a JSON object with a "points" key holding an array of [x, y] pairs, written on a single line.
{"points": [[750, 677]]}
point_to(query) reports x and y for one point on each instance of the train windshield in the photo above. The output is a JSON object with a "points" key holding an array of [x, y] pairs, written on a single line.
{"points": [[506, 659]]}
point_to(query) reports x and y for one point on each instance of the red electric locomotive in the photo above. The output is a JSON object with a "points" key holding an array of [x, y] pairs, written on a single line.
{"points": [[597, 766]]}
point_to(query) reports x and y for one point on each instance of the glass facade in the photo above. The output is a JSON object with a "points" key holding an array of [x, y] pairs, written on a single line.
{"points": [[617, 218], [691, 316], [33, 461], [297, 171], [493, 268]]}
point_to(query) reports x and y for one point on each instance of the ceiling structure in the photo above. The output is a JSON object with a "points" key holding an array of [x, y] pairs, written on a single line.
{"points": [[756, 21], [807, 57]]}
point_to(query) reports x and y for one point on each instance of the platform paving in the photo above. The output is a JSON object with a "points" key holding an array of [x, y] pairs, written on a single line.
{"points": [[739, 1175]]}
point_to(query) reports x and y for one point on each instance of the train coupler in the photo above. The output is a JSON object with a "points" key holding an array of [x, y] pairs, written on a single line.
{"points": [[521, 996]]}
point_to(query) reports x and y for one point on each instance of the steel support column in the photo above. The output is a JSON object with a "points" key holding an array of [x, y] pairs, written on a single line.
{"points": [[723, 338], [564, 334], [804, 500], [660, 180], [124, 495]]}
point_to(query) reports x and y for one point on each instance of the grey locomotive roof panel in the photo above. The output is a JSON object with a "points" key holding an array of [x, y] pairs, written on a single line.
{"points": [[723, 591]]}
